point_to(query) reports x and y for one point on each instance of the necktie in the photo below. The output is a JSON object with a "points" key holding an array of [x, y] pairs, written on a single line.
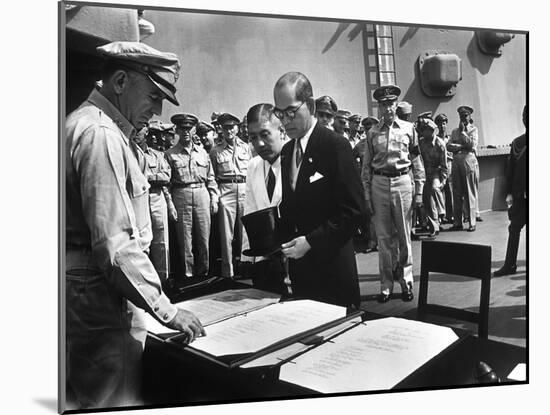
{"points": [[299, 153], [270, 183]]}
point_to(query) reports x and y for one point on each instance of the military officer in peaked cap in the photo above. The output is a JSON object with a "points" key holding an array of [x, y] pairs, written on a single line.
{"points": [[441, 121], [206, 133], [341, 122], [160, 201], [465, 170], [367, 225], [434, 156], [392, 150], [109, 277], [230, 162], [325, 109], [354, 125], [195, 195], [217, 126]]}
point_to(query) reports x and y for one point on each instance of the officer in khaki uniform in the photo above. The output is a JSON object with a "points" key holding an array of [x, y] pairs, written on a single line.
{"points": [[391, 151], [463, 145], [325, 109], [367, 226], [195, 195], [230, 162], [341, 123], [109, 278], [441, 120], [354, 124], [160, 201], [434, 156]]}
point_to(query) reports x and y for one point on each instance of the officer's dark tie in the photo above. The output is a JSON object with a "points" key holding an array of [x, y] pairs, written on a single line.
{"points": [[270, 183], [299, 153]]}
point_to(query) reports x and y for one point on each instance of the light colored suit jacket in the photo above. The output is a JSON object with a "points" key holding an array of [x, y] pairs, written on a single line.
{"points": [[256, 194]]}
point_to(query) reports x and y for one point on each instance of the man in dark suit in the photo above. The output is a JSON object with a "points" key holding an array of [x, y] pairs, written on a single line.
{"points": [[322, 202], [516, 198]]}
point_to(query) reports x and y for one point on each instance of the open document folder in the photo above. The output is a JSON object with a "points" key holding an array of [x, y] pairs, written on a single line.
{"points": [[269, 326], [218, 306], [374, 355]]}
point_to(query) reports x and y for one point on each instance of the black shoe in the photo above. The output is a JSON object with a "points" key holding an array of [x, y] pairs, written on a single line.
{"points": [[407, 294], [383, 298], [478, 219], [505, 270], [455, 228], [471, 229]]}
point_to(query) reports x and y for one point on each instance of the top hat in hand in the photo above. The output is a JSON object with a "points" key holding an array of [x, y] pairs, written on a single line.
{"points": [[261, 228]]}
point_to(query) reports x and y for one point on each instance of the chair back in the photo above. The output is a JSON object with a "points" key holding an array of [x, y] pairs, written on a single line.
{"points": [[468, 260]]}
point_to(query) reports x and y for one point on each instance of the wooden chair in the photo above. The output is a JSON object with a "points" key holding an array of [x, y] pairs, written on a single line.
{"points": [[467, 260]]}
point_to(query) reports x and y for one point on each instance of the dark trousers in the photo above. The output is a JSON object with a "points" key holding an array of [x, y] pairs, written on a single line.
{"points": [[517, 215]]}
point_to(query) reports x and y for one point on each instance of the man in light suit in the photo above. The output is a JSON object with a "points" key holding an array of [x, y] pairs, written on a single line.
{"points": [[323, 199], [264, 189]]}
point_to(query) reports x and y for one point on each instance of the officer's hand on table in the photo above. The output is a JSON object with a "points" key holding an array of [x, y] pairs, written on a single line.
{"points": [[418, 200], [187, 323], [172, 213], [213, 208], [296, 248]]}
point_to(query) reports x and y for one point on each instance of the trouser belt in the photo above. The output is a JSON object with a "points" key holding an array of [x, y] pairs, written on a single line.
{"points": [[394, 174]]}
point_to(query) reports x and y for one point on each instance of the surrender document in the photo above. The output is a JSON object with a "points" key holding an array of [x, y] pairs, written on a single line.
{"points": [[374, 355], [251, 332], [218, 306], [293, 349]]}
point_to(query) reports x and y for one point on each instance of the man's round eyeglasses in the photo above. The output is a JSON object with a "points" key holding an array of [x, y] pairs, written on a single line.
{"points": [[289, 112]]}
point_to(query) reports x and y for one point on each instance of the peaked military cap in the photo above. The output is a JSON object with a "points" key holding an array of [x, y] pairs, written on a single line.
{"points": [[162, 68], [370, 118], [386, 93], [355, 118], [345, 114], [214, 116], [160, 126], [326, 104], [203, 127], [425, 114], [228, 119], [184, 119], [427, 122], [440, 118], [465, 108]]}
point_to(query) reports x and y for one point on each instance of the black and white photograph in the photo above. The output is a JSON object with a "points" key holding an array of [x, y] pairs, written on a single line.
{"points": [[262, 208], [283, 207]]}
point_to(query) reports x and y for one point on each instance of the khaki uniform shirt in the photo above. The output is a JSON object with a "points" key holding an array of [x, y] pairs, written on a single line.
{"points": [[192, 166], [108, 203], [158, 169], [464, 140], [230, 161], [434, 156], [391, 149]]}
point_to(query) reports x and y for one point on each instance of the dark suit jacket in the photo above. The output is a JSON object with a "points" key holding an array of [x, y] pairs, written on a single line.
{"points": [[327, 212], [516, 170]]}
